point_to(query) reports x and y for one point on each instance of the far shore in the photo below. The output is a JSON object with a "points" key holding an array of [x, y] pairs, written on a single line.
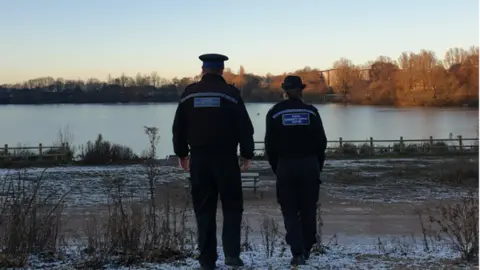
{"points": [[398, 106], [171, 160]]}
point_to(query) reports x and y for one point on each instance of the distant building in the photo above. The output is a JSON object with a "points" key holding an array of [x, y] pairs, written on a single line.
{"points": [[329, 75], [331, 79]]}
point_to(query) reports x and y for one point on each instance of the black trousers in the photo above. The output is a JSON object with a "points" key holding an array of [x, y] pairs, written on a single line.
{"points": [[212, 174], [298, 187]]}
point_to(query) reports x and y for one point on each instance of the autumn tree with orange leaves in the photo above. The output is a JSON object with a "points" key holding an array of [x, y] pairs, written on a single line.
{"points": [[414, 79]]}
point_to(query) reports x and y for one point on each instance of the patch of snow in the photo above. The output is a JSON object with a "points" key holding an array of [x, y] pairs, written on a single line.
{"points": [[339, 256], [86, 184], [354, 209]]}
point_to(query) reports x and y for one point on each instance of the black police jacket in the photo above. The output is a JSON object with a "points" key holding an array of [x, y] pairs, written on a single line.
{"points": [[294, 129], [211, 115]]}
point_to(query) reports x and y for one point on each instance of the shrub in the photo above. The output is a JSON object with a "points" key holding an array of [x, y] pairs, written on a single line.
{"points": [[462, 172], [458, 223], [134, 232], [349, 149], [29, 220], [104, 152]]}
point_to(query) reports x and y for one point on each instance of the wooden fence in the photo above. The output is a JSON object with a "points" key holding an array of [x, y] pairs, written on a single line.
{"points": [[372, 147], [340, 147], [35, 153]]}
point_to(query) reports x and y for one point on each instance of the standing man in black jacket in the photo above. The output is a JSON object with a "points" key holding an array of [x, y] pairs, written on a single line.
{"points": [[295, 144], [210, 122]]}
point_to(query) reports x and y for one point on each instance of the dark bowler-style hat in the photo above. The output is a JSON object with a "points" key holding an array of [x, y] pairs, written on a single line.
{"points": [[292, 82]]}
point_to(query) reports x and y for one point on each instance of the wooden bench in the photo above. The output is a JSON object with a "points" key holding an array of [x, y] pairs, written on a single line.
{"points": [[251, 179]]}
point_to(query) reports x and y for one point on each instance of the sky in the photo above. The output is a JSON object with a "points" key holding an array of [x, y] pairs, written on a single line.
{"points": [[94, 38]]}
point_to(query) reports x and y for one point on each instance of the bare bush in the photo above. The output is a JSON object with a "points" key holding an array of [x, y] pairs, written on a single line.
{"points": [[64, 141], [402, 246], [270, 235], [128, 235], [431, 234], [104, 152], [20, 153], [247, 230], [29, 220], [153, 172], [133, 232], [459, 172], [458, 223], [319, 248]]}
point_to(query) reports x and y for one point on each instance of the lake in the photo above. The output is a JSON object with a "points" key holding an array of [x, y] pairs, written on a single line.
{"points": [[123, 124]]}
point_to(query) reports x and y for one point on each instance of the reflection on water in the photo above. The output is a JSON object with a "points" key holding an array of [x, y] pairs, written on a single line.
{"points": [[33, 124]]}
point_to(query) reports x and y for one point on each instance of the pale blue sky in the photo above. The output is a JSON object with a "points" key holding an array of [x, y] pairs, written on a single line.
{"points": [[92, 38]]}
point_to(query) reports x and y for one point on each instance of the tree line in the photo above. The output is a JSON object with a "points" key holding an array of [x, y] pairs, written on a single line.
{"points": [[414, 79]]}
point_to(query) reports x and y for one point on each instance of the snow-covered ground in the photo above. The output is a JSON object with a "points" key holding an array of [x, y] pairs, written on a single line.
{"points": [[354, 191], [388, 255], [87, 184]]}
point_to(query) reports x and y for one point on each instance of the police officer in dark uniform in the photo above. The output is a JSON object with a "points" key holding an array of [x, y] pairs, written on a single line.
{"points": [[295, 144], [210, 122]]}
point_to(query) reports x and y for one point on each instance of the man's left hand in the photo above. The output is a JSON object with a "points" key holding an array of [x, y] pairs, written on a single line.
{"points": [[184, 163], [245, 165]]}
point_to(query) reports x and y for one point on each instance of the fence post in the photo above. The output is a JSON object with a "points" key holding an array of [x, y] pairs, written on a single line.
{"points": [[402, 146], [372, 149], [40, 149], [340, 144], [460, 143], [431, 143], [64, 152], [67, 152]]}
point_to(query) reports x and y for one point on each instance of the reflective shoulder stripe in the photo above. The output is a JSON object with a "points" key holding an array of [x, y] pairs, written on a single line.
{"points": [[210, 94], [293, 111]]}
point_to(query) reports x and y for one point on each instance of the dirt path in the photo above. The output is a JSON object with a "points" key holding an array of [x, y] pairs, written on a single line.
{"points": [[349, 220], [346, 218], [380, 199]]}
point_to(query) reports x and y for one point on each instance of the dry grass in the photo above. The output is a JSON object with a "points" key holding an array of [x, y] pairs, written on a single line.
{"points": [[131, 232], [455, 222], [134, 233], [155, 231], [460, 172], [30, 221], [271, 236]]}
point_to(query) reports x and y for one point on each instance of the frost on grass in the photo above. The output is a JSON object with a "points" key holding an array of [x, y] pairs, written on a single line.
{"points": [[86, 184], [366, 180], [393, 252], [108, 239]]}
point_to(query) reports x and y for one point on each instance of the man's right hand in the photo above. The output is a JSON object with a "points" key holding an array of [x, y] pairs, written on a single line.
{"points": [[246, 164]]}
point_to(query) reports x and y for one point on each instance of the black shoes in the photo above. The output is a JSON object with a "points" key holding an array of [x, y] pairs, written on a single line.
{"points": [[230, 261], [237, 262], [207, 267], [233, 261], [298, 260], [306, 255]]}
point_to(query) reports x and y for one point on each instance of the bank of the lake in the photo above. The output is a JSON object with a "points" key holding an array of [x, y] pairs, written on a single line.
{"points": [[357, 210], [123, 124]]}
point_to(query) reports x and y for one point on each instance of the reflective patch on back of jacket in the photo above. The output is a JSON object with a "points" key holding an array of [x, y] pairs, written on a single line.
{"points": [[206, 102], [296, 119]]}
